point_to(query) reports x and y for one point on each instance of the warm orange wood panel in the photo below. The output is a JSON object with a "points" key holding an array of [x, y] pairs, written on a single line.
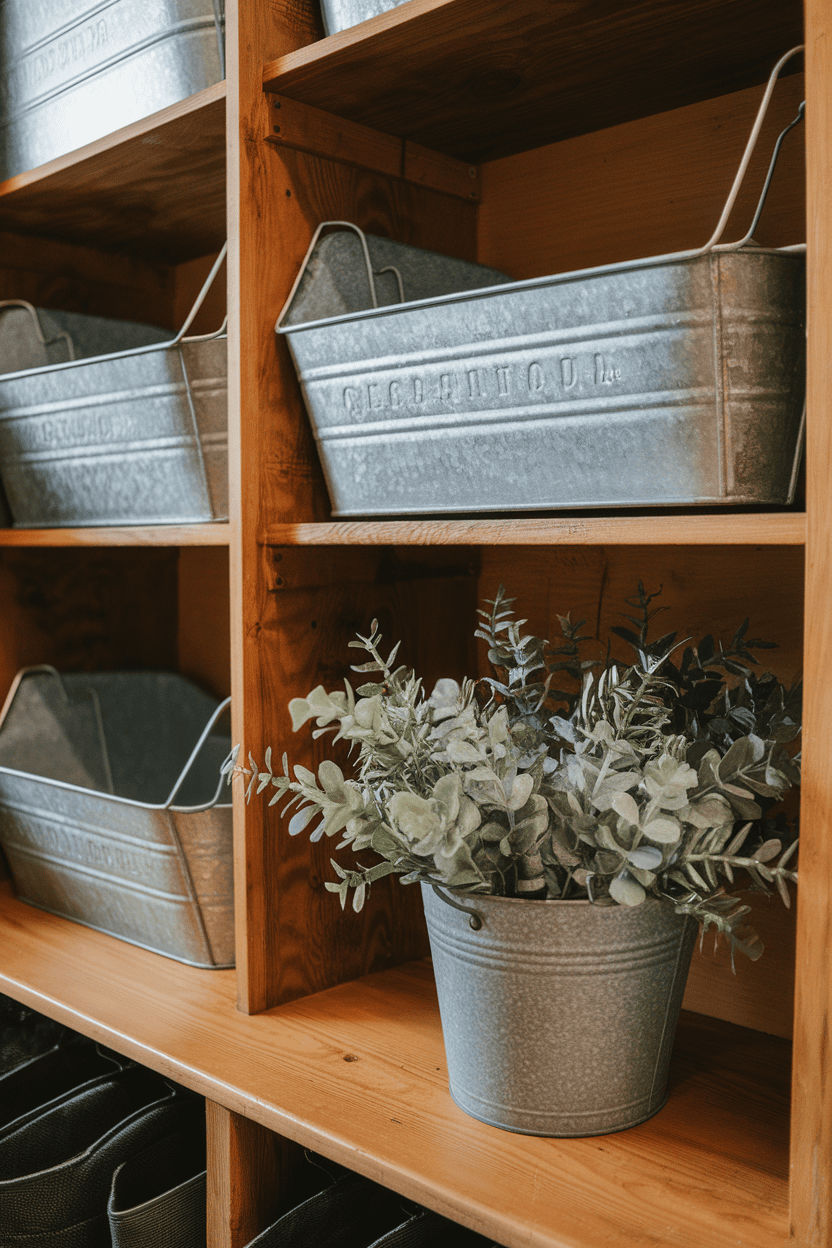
{"points": [[811, 1196], [290, 941], [253, 1177], [79, 277], [482, 78], [709, 1171], [134, 535], [204, 618], [311, 130], [786, 528], [644, 188], [83, 610], [155, 187]]}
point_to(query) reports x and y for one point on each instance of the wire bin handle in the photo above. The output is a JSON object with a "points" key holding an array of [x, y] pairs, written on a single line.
{"points": [[713, 243]]}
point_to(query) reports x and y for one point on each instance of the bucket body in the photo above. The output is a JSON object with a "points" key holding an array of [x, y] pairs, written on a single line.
{"points": [[558, 1016]]}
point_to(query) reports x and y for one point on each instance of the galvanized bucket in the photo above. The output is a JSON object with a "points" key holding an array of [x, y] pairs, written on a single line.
{"points": [[341, 14], [672, 381], [137, 436], [558, 1016], [75, 70], [111, 811]]}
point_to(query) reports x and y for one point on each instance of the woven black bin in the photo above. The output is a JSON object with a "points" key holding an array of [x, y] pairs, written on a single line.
{"points": [[158, 1197], [56, 1169]]}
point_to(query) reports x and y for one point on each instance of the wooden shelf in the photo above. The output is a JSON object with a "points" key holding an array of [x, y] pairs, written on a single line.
{"points": [[156, 186], [739, 529], [479, 79], [358, 1073], [133, 535]]}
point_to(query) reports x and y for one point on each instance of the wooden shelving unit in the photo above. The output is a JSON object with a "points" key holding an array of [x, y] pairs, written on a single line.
{"points": [[536, 138]]}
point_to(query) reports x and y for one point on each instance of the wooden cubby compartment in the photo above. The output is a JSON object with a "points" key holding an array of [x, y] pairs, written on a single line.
{"points": [[537, 138]]}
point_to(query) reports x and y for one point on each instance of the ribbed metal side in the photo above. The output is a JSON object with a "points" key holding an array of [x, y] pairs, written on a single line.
{"points": [[672, 383], [126, 862], [558, 1017], [79, 69], [131, 438]]}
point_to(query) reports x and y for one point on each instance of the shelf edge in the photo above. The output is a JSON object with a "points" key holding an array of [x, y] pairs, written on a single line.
{"points": [[766, 529]]}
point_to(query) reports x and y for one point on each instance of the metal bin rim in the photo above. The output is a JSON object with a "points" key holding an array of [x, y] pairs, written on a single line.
{"points": [[167, 805]]}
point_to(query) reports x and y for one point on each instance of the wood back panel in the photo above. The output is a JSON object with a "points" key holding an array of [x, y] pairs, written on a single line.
{"points": [[706, 589], [87, 610], [204, 641], [643, 188], [78, 278]]}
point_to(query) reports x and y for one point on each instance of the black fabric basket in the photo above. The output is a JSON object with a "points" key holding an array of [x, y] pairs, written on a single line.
{"points": [[41, 1082], [56, 1169], [351, 1213], [158, 1197], [24, 1033], [428, 1230]]}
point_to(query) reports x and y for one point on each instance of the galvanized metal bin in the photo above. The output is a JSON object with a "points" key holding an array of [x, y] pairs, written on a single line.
{"points": [[136, 436], [110, 810], [341, 14], [672, 381], [77, 70]]}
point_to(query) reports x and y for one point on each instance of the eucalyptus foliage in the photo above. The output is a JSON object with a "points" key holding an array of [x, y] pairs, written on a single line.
{"points": [[655, 778]]}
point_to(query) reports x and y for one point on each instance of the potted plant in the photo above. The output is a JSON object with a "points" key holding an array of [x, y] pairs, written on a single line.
{"points": [[569, 843]]}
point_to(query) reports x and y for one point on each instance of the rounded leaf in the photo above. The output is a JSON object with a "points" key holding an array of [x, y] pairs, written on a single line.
{"points": [[626, 891], [663, 831], [646, 857]]}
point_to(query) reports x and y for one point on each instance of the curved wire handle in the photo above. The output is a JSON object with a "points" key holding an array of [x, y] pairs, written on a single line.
{"points": [[45, 342], [372, 273], [474, 918], [713, 243]]}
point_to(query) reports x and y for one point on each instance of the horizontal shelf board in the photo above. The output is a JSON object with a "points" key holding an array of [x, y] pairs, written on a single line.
{"points": [[739, 529], [358, 1074], [479, 79], [131, 535], [156, 186]]}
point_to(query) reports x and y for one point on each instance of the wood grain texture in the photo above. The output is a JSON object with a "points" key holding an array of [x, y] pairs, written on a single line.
{"points": [[646, 188], [204, 641], [289, 939], [82, 278], [483, 78], [255, 30], [318, 600], [358, 1074], [811, 1191], [86, 610], [134, 535], [312, 130], [253, 1177], [154, 188], [726, 529]]}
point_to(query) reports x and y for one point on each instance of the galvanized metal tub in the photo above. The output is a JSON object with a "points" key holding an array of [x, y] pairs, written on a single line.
{"points": [[110, 810], [133, 437], [671, 381], [558, 1016], [341, 14], [679, 383], [77, 70]]}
